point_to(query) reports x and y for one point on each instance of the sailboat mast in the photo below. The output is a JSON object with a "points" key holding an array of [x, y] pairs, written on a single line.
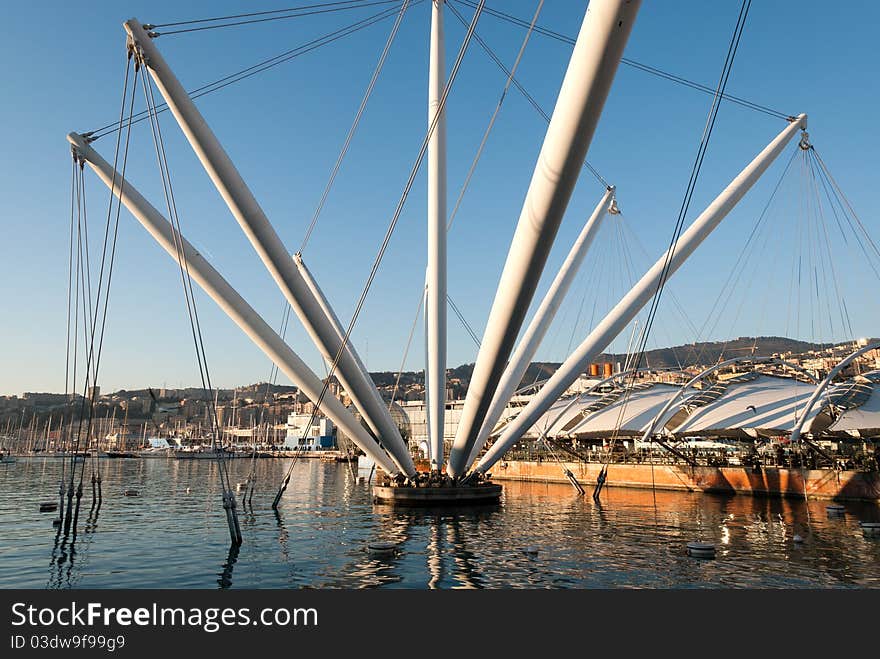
{"points": [[435, 311]]}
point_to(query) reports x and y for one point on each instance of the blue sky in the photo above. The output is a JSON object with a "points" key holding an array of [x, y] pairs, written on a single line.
{"points": [[62, 66]]}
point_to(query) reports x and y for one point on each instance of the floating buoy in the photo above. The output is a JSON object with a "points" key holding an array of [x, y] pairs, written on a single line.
{"points": [[531, 550], [48, 507], [56, 521], [797, 538], [870, 528], [186, 491], [382, 547], [701, 549], [131, 493], [835, 510]]}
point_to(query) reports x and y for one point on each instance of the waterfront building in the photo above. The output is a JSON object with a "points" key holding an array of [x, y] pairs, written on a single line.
{"points": [[302, 436]]}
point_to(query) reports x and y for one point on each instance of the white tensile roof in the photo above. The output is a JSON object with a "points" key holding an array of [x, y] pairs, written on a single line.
{"points": [[765, 403], [867, 415], [633, 413], [551, 421], [758, 405], [639, 409]]}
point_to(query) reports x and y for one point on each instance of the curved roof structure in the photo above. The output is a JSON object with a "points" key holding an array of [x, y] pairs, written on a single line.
{"points": [[763, 405], [747, 405], [629, 415], [859, 400]]}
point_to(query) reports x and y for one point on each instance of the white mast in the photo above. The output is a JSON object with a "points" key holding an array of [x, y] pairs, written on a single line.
{"points": [[435, 310], [640, 294], [534, 334], [233, 304], [266, 242], [594, 61]]}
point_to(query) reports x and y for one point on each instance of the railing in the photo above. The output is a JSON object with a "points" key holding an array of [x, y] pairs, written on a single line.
{"points": [[853, 459]]}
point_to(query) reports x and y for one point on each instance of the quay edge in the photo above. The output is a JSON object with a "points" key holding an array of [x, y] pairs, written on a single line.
{"points": [[844, 485]]}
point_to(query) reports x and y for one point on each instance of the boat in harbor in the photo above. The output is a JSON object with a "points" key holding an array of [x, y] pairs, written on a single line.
{"points": [[203, 452], [121, 454], [159, 447]]}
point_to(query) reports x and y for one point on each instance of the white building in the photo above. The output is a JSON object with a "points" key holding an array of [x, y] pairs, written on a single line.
{"points": [[300, 436]]}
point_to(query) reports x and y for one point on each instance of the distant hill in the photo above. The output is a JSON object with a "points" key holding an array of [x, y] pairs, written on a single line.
{"points": [[710, 352], [681, 355]]}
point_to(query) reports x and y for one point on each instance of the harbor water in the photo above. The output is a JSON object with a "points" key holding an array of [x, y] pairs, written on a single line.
{"points": [[173, 534]]}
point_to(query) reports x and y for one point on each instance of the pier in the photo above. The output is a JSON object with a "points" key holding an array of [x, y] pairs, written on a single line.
{"points": [[837, 485]]}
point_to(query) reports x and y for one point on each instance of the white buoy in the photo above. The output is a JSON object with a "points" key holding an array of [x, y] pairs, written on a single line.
{"points": [[835, 510], [797, 538], [701, 549], [871, 529], [186, 491], [382, 547]]}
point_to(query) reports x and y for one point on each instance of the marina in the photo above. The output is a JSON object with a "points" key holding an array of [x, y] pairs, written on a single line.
{"points": [[572, 446]]}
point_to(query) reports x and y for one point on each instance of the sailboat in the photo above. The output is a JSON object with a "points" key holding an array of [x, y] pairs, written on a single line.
{"points": [[117, 451]]}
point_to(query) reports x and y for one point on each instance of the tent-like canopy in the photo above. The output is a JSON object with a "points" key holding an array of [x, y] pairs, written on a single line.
{"points": [[861, 397], [764, 405], [630, 415]]}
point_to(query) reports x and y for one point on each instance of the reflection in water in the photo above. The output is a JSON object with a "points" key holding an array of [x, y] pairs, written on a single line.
{"points": [[542, 536], [465, 573], [435, 555], [225, 579], [66, 563]]}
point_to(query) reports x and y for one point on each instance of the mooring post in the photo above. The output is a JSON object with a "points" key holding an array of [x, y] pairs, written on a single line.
{"points": [[61, 499], [68, 518], [79, 494]]}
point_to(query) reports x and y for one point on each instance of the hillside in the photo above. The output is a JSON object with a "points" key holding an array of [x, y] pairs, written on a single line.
{"points": [[681, 355]]}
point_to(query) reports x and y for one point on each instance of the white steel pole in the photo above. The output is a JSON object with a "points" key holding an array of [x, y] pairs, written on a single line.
{"points": [[427, 375], [594, 61], [233, 304], [373, 403], [262, 235], [534, 334], [640, 294], [435, 311]]}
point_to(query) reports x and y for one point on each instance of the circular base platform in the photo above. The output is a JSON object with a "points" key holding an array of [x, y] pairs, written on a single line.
{"points": [[437, 496]]}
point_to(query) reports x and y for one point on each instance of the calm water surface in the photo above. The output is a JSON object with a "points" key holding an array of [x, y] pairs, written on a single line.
{"points": [[541, 536]]}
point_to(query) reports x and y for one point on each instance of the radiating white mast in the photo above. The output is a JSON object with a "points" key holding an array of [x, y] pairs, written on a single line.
{"points": [[628, 307], [267, 244], [233, 304], [594, 61], [534, 334], [435, 310]]}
